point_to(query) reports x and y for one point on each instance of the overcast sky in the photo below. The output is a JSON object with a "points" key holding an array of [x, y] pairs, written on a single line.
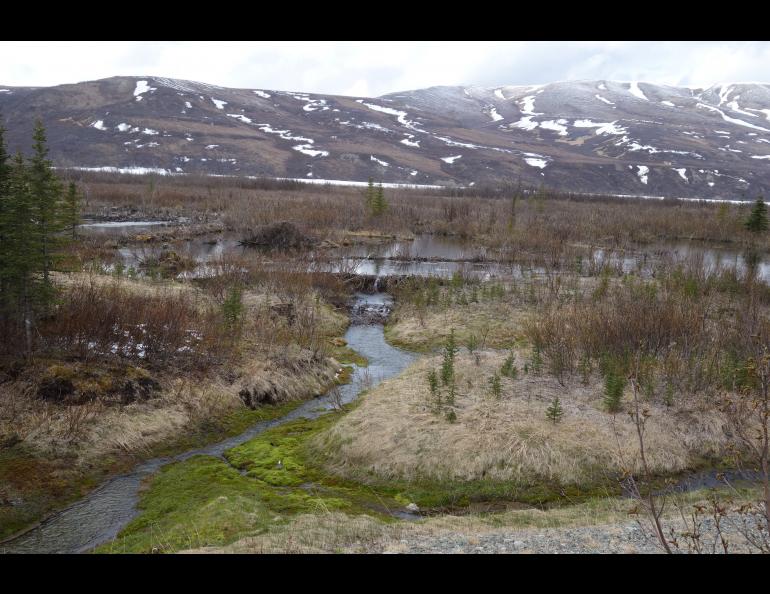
{"points": [[371, 68]]}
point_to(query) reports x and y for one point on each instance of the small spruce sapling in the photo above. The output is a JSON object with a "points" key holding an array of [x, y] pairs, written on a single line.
{"points": [[554, 412]]}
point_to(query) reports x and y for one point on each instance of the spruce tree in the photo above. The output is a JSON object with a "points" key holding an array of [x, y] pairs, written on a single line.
{"points": [[614, 385], [4, 199], [71, 209], [24, 259], [379, 205], [554, 412], [370, 192], [46, 193], [448, 363], [757, 221]]}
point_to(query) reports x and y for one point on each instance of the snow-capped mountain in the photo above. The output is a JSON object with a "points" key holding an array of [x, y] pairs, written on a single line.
{"points": [[586, 136]]}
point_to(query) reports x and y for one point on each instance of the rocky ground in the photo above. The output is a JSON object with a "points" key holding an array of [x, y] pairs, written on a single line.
{"points": [[628, 538]]}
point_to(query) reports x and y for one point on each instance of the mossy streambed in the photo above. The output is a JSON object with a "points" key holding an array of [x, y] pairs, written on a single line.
{"points": [[99, 517]]}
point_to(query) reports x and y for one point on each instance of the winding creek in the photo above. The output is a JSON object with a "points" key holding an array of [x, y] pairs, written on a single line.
{"points": [[99, 517]]}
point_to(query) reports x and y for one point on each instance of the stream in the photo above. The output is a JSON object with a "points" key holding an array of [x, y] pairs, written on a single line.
{"points": [[98, 517]]}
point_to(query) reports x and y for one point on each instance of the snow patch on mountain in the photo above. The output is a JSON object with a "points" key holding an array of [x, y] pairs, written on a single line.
{"points": [[636, 91], [535, 162], [601, 127], [496, 117], [262, 94], [682, 171], [379, 161], [642, 172], [557, 126], [731, 120], [527, 106], [600, 98], [525, 123], [451, 160], [240, 117], [219, 103], [99, 125], [141, 88]]}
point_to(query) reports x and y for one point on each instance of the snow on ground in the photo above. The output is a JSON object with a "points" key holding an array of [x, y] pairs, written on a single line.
{"points": [[760, 157], [212, 146], [99, 125], [557, 126], [5, 90], [764, 111], [496, 117], [602, 87], [541, 163], [450, 142], [731, 120], [123, 127], [414, 143], [668, 103], [141, 88], [238, 116], [129, 170], [499, 94], [262, 94], [528, 106], [307, 149], [722, 132], [451, 160], [736, 108], [682, 173], [378, 161], [188, 105], [724, 92], [525, 123], [340, 182], [219, 103], [642, 173], [150, 132], [636, 91], [400, 115], [601, 127], [600, 98]]}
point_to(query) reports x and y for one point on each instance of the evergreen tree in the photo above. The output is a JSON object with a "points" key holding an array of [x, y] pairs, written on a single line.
{"points": [[614, 385], [5, 171], [370, 193], [554, 412], [448, 363], [71, 209], [495, 387], [379, 205], [24, 258], [46, 193], [757, 220]]}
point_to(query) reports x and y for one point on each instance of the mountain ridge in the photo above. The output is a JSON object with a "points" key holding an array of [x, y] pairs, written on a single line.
{"points": [[624, 137]]}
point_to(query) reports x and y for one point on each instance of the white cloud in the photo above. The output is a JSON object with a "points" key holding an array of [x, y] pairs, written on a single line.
{"points": [[378, 67]]}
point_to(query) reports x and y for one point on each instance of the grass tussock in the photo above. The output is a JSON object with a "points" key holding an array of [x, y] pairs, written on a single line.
{"points": [[395, 433]]}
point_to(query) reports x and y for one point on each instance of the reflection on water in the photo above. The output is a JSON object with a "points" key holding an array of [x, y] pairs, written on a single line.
{"points": [[427, 255]]}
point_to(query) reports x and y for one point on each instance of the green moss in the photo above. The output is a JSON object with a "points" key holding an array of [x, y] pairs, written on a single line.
{"points": [[199, 502]]}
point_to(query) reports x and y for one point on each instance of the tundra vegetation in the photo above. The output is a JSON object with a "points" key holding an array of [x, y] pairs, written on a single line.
{"points": [[589, 363]]}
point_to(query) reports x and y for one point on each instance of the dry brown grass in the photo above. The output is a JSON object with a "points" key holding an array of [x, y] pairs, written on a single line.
{"points": [[395, 434]]}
